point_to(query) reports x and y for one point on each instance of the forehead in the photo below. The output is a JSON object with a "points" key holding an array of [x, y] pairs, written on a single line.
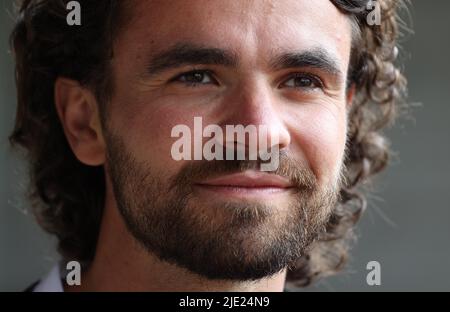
{"points": [[252, 28]]}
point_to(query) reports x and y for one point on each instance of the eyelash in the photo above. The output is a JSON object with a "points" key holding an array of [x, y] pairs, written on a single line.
{"points": [[314, 79], [192, 72]]}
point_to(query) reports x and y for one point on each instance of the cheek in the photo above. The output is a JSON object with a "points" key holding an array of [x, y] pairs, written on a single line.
{"points": [[146, 125], [320, 137]]}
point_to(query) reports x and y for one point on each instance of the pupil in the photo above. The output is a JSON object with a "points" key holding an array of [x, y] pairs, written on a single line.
{"points": [[195, 77], [303, 82]]}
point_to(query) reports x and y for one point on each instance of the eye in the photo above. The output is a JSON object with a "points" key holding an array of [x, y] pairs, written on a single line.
{"points": [[303, 81], [194, 78]]}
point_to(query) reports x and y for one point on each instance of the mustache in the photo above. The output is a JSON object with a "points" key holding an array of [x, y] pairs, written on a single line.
{"points": [[301, 176]]}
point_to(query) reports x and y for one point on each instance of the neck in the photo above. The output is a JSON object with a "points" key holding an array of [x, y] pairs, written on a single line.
{"points": [[121, 264]]}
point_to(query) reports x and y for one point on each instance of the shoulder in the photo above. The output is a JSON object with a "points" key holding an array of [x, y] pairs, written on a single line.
{"points": [[51, 283], [31, 287]]}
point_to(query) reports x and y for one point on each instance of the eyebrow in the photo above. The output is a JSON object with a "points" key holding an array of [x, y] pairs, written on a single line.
{"points": [[317, 58], [190, 54]]}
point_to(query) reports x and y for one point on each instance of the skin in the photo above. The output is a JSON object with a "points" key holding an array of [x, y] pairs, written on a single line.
{"points": [[310, 122]]}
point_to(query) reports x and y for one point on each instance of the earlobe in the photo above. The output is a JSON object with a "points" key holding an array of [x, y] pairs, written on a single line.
{"points": [[79, 115], [350, 95]]}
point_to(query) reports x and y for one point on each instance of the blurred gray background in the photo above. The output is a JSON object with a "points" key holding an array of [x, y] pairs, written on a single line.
{"points": [[406, 227]]}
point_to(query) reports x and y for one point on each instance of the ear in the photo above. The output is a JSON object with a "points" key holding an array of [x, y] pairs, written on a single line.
{"points": [[79, 115], [350, 95]]}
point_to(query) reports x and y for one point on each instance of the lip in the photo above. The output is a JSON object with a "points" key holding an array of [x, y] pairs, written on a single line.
{"points": [[249, 180]]}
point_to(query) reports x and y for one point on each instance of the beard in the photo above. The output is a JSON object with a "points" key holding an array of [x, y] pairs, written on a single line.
{"points": [[218, 240]]}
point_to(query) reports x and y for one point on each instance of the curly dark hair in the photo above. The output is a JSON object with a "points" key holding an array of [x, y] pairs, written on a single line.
{"points": [[68, 197]]}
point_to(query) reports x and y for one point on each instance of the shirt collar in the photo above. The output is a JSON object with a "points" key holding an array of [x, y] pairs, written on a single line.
{"points": [[52, 282]]}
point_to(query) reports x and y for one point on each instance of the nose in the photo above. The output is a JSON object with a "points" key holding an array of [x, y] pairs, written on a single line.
{"points": [[255, 104]]}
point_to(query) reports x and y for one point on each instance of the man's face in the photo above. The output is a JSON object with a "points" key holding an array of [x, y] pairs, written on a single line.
{"points": [[281, 64]]}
